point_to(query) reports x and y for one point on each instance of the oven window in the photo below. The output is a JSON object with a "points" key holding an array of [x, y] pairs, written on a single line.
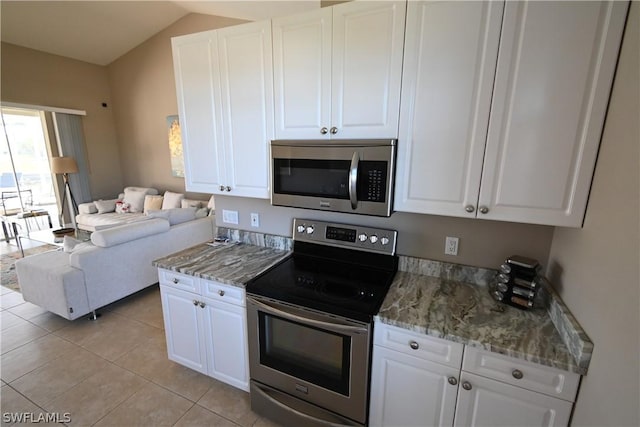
{"points": [[311, 354], [315, 178]]}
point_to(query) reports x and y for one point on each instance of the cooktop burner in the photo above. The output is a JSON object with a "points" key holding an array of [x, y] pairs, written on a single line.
{"points": [[346, 276]]}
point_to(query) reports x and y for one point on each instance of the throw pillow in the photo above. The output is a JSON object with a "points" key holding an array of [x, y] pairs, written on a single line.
{"points": [[172, 200], [179, 215], [186, 203], [202, 212], [164, 214], [122, 207], [105, 206], [212, 203], [152, 203], [135, 198]]}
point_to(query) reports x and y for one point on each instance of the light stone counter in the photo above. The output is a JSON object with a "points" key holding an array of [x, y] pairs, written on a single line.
{"points": [[444, 303], [233, 263]]}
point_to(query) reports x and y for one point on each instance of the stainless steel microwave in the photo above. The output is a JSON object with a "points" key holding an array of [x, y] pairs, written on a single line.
{"points": [[352, 176]]}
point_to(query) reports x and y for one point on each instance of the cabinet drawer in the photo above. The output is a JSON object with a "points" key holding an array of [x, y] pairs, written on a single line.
{"points": [[531, 376], [179, 281], [418, 345], [221, 292]]}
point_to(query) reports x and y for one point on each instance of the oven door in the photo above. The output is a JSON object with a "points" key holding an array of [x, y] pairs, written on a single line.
{"points": [[345, 177], [315, 357]]}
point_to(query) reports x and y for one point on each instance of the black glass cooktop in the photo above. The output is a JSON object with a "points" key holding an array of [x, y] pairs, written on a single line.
{"points": [[345, 283]]}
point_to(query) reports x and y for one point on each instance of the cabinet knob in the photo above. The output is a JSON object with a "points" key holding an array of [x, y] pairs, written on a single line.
{"points": [[414, 345], [334, 130], [221, 292], [324, 130], [201, 304], [517, 374], [228, 188], [222, 188], [466, 385], [452, 380], [483, 209], [175, 281], [195, 302], [470, 208]]}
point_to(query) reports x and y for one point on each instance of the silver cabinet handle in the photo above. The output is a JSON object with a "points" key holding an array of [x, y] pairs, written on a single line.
{"points": [[221, 292], [414, 345], [334, 130], [517, 374], [324, 130], [466, 385], [483, 209], [470, 208], [195, 302], [228, 188], [222, 188], [452, 380], [202, 304], [175, 281]]}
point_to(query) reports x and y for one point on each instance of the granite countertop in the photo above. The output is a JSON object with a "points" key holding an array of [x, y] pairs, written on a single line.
{"points": [[466, 313], [233, 263]]}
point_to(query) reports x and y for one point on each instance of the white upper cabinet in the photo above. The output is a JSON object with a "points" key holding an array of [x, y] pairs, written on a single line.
{"points": [[224, 83], [518, 147], [196, 72], [246, 78], [449, 67], [553, 79], [337, 71]]}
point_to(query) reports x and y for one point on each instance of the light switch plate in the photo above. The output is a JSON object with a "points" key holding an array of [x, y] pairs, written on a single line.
{"points": [[230, 217]]}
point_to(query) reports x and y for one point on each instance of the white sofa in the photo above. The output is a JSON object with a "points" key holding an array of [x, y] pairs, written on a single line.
{"points": [[116, 263]]}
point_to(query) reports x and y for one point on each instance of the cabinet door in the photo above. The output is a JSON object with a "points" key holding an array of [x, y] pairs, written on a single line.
{"points": [[407, 391], [184, 329], [553, 79], [368, 39], [302, 75], [226, 329], [246, 79], [485, 402], [195, 60], [449, 66]]}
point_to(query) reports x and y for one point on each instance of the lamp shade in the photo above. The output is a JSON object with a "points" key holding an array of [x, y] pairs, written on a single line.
{"points": [[63, 165]]}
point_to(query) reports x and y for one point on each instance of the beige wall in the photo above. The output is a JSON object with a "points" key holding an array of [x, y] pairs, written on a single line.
{"points": [[33, 77], [596, 269], [144, 94]]}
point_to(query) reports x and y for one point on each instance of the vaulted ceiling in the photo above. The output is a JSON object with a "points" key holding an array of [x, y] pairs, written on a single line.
{"points": [[101, 31]]}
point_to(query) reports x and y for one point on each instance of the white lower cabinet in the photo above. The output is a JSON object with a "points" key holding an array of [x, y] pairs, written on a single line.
{"points": [[206, 333], [418, 380]]}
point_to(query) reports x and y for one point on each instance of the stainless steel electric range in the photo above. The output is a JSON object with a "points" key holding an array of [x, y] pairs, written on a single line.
{"points": [[310, 320]]}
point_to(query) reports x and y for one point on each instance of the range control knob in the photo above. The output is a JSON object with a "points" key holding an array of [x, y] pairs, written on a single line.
{"points": [[373, 238], [301, 228], [362, 237], [384, 241], [310, 229]]}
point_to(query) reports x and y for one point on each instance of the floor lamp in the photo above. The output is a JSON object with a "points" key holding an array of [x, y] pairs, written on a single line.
{"points": [[65, 166]]}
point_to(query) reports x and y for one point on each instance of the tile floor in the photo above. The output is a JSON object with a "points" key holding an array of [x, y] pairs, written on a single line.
{"points": [[110, 372]]}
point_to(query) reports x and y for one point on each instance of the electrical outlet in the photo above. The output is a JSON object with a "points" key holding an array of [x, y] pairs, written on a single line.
{"points": [[255, 219], [230, 217], [451, 246]]}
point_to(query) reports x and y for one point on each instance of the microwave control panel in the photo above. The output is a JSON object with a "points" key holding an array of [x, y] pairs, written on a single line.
{"points": [[372, 181]]}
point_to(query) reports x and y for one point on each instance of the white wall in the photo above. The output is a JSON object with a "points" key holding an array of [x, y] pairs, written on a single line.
{"points": [[596, 269]]}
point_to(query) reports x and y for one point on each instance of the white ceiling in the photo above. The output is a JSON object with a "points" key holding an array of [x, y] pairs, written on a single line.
{"points": [[101, 31]]}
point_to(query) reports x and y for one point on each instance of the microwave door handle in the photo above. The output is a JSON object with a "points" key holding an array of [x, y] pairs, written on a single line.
{"points": [[353, 180]]}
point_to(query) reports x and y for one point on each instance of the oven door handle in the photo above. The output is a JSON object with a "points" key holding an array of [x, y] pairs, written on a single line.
{"points": [[326, 325], [353, 180]]}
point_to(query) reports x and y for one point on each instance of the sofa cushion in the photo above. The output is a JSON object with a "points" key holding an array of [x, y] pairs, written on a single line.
{"points": [[152, 202], [175, 216], [100, 222], [105, 206], [135, 198], [87, 208], [125, 233]]}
